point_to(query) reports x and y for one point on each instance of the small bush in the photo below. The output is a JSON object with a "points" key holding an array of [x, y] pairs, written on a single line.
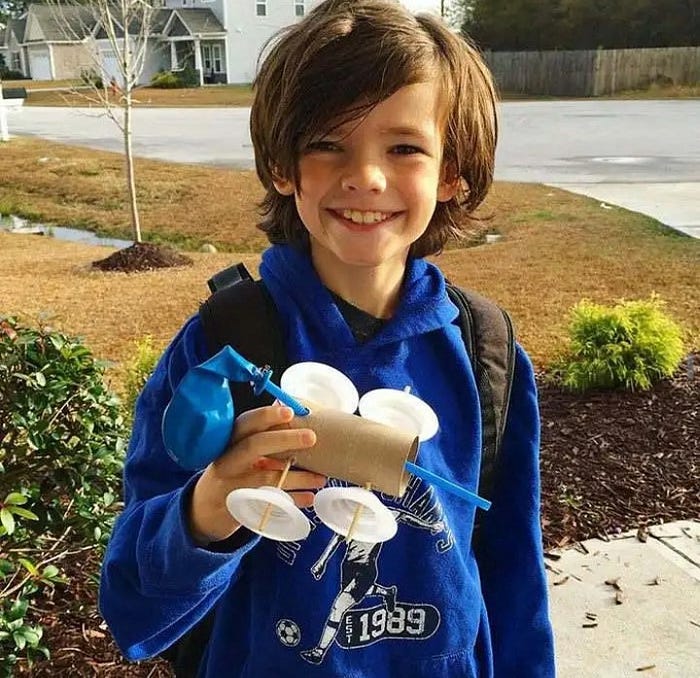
{"points": [[62, 440], [136, 372], [89, 76], [189, 76], [630, 345], [9, 74], [166, 80]]}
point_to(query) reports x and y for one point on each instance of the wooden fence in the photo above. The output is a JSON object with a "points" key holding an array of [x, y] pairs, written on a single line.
{"points": [[593, 72]]}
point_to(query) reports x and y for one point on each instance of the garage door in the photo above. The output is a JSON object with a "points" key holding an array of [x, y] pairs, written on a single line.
{"points": [[110, 68], [39, 65]]}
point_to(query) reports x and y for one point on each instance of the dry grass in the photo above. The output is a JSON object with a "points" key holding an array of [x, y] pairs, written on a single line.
{"points": [[557, 249], [655, 91], [209, 95], [68, 186], [33, 85], [48, 278]]}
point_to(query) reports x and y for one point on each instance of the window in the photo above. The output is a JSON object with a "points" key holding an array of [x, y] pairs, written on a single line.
{"points": [[212, 59], [206, 58], [216, 55], [299, 7], [261, 7]]}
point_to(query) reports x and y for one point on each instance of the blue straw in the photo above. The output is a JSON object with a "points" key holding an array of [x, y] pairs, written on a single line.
{"points": [[285, 398], [447, 485]]}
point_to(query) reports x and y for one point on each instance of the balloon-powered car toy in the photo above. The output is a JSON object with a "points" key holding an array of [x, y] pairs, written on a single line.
{"points": [[376, 450]]}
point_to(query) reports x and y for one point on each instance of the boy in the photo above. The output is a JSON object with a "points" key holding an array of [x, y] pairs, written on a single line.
{"points": [[373, 131]]}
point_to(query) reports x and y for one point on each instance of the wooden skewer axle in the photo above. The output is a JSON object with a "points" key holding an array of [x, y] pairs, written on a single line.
{"points": [[268, 509], [356, 517]]}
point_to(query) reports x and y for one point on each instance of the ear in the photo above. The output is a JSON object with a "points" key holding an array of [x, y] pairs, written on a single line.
{"points": [[449, 184], [282, 186]]}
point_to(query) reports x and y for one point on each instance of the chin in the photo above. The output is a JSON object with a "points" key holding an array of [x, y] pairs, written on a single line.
{"points": [[370, 259]]}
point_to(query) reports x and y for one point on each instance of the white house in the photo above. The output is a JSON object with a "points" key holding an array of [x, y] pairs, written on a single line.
{"points": [[221, 39], [247, 24]]}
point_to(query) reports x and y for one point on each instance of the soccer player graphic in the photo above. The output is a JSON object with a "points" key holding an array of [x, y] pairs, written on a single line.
{"points": [[358, 574]]}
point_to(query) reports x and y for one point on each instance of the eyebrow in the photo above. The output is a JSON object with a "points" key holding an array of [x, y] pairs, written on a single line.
{"points": [[406, 131]]}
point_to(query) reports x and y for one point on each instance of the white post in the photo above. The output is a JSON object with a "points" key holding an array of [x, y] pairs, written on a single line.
{"points": [[4, 133], [173, 56], [198, 61], [52, 63]]}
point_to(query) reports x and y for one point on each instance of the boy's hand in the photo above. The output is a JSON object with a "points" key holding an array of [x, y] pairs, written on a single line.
{"points": [[257, 433]]}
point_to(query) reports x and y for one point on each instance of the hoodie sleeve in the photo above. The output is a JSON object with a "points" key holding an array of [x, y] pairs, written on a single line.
{"points": [[509, 552], [156, 583]]}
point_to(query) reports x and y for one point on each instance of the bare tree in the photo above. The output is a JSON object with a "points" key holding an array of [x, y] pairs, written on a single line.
{"points": [[124, 28], [454, 12]]}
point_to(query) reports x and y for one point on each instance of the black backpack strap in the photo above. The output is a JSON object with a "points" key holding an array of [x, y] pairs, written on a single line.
{"points": [[488, 334], [240, 313]]}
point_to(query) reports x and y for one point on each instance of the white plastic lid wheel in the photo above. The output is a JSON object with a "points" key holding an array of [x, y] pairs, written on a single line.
{"points": [[336, 507], [322, 384], [401, 410], [285, 522]]}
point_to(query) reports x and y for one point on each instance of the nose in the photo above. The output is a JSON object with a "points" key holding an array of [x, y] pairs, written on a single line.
{"points": [[364, 176]]}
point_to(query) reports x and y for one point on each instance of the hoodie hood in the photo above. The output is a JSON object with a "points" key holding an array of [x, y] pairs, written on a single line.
{"points": [[313, 318]]}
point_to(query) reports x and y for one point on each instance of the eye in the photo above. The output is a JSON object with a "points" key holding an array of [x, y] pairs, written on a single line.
{"points": [[322, 146], [406, 149]]}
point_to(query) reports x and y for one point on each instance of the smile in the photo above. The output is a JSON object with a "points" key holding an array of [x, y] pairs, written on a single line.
{"points": [[362, 220], [365, 217]]}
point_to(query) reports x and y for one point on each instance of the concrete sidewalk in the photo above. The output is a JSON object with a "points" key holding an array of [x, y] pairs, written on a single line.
{"points": [[628, 607], [676, 205]]}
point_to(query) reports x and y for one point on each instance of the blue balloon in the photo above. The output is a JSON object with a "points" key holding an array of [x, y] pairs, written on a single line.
{"points": [[198, 421]]}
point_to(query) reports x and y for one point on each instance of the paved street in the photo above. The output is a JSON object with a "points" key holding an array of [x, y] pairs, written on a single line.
{"points": [[643, 155]]}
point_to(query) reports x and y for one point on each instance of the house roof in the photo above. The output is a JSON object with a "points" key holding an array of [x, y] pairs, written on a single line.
{"points": [[60, 23], [159, 20], [15, 26], [71, 22], [200, 21]]}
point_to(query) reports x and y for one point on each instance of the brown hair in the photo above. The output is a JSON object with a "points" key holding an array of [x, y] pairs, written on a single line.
{"points": [[340, 61]]}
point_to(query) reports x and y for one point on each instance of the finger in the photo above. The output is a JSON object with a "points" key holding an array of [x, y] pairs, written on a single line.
{"points": [[303, 480], [260, 419], [244, 454], [295, 480], [269, 464], [303, 499]]}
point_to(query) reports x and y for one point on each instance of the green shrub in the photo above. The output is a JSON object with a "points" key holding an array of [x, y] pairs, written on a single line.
{"points": [[166, 80], [189, 76], [137, 370], [629, 345], [89, 76], [62, 440]]}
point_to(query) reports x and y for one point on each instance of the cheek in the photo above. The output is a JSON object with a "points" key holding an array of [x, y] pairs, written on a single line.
{"points": [[313, 173]]}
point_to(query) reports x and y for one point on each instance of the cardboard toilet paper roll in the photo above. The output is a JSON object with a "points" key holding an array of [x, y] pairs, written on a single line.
{"points": [[355, 449]]}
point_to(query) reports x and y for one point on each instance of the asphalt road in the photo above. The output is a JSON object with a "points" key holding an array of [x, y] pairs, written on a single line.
{"points": [[643, 155]]}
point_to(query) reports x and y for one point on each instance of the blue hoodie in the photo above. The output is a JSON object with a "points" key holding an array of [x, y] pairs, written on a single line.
{"points": [[417, 605]]}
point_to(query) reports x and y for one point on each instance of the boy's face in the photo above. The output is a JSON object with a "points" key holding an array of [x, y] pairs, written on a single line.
{"points": [[369, 190]]}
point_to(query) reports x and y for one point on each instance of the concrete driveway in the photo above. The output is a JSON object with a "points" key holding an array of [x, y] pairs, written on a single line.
{"points": [[642, 155]]}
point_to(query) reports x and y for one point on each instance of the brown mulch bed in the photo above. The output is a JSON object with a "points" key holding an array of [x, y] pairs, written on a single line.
{"points": [[616, 461], [142, 256], [611, 462]]}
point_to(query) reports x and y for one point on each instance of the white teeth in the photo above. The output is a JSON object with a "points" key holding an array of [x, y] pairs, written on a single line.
{"points": [[365, 217]]}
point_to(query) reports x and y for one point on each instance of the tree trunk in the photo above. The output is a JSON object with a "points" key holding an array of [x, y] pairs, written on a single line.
{"points": [[135, 221]]}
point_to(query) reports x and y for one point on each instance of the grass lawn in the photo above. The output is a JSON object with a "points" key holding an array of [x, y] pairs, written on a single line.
{"points": [[30, 85], [557, 248], [241, 95], [209, 95]]}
